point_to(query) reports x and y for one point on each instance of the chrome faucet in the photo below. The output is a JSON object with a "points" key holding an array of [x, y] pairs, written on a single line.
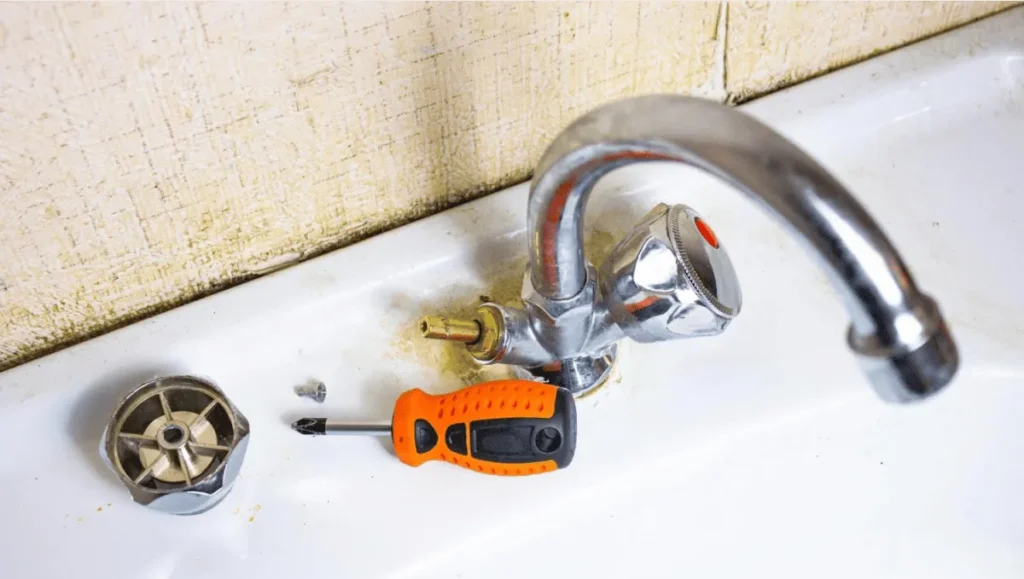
{"points": [[671, 277]]}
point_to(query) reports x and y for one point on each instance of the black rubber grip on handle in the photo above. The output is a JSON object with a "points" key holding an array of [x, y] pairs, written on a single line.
{"points": [[528, 440]]}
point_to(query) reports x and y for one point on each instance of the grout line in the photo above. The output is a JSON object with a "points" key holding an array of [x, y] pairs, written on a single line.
{"points": [[722, 50]]}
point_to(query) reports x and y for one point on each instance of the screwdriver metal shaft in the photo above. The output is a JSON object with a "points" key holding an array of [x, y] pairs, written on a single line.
{"points": [[322, 426]]}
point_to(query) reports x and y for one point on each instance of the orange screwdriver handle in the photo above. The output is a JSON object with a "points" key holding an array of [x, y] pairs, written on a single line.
{"points": [[507, 427]]}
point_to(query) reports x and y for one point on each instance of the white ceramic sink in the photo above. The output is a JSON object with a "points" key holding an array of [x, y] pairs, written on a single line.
{"points": [[761, 452]]}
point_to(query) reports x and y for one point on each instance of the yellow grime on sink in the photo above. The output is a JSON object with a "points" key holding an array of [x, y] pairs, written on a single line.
{"points": [[450, 359], [598, 245], [502, 285]]}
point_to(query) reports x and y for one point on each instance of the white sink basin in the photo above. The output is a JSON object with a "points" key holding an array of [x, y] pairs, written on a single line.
{"points": [[759, 452]]}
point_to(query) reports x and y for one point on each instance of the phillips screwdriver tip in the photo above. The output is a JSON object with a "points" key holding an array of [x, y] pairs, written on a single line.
{"points": [[310, 426]]}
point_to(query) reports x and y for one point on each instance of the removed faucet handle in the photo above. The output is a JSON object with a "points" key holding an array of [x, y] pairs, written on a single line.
{"points": [[670, 278]]}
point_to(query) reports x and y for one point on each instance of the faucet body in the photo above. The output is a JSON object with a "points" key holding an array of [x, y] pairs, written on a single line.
{"points": [[569, 325]]}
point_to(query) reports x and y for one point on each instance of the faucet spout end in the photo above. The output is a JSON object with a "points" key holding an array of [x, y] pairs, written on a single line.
{"points": [[910, 373]]}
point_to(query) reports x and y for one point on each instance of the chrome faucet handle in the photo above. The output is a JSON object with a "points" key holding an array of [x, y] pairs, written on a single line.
{"points": [[670, 278]]}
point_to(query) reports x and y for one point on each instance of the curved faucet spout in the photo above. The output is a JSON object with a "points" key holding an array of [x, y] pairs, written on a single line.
{"points": [[897, 331]]}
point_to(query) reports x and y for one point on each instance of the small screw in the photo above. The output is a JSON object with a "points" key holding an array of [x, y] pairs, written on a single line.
{"points": [[316, 392]]}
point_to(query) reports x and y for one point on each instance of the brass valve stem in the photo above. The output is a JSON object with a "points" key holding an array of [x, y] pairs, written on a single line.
{"points": [[483, 335], [444, 328]]}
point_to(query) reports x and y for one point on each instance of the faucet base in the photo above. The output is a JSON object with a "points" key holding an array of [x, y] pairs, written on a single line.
{"points": [[580, 375]]}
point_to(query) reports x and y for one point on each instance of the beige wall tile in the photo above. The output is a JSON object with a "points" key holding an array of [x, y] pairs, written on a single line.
{"points": [[775, 44]]}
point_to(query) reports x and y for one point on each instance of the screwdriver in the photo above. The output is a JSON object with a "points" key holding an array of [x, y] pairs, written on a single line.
{"points": [[505, 427]]}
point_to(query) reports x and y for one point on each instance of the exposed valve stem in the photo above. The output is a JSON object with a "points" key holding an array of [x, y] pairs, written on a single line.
{"points": [[483, 334], [444, 328]]}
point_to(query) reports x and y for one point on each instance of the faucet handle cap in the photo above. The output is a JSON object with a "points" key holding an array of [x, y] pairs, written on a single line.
{"points": [[704, 263], [670, 278]]}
